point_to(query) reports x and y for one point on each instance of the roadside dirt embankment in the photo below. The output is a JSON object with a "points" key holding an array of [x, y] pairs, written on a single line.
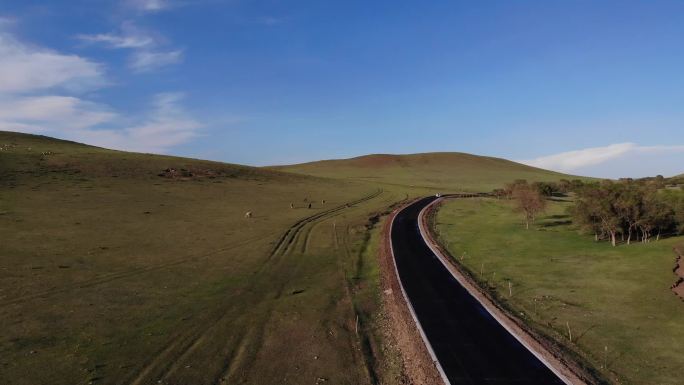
{"points": [[678, 286], [400, 330]]}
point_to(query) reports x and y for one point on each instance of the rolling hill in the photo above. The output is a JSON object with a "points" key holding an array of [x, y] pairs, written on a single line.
{"points": [[120, 267], [439, 170]]}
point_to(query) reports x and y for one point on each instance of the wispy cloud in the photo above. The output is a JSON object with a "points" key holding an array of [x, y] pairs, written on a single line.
{"points": [[166, 125], [573, 160], [40, 93], [51, 113], [270, 20], [24, 68], [148, 53], [624, 153], [6, 21], [145, 61], [149, 5], [129, 36]]}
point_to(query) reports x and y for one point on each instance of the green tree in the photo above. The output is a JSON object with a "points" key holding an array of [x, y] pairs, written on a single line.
{"points": [[529, 201], [657, 215], [629, 207], [596, 207]]}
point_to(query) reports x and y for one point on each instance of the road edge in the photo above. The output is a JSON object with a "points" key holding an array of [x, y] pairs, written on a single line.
{"points": [[418, 366], [557, 365], [423, 336]]}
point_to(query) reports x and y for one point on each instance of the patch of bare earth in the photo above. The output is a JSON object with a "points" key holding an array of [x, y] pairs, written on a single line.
{"points": [[398, 326], [678, 286]]}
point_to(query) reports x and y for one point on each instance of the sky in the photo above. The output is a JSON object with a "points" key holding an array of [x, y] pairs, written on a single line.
{"points": [[584, 87]]}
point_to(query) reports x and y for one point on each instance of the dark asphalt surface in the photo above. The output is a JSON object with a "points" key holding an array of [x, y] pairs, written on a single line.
{"points": [[472, 347]]}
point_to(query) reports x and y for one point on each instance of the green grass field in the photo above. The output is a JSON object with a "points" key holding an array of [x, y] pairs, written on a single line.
{"points": [[615, 298], [435, 171], [115, 269], [111, 273]]}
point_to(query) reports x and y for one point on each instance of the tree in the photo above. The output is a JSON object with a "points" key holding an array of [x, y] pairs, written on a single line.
{"points": [[596, 207], [657, 215], [510, 187], [584, 215], [675, 200], [546, 188], [577, 184], [659, 181], [499, 193], [628, 205], [529, 201], [564, 186]]}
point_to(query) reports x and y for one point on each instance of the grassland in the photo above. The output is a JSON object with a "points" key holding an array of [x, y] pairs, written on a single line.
{"points": [[118, 267], [616, 301], [435, 171], [111, 273]]}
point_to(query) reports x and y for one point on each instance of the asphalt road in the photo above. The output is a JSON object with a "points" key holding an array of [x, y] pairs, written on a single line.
{"points": [[471, 346]]}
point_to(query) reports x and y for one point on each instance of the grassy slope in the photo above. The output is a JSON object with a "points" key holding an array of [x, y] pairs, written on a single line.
{"points": [[617, 298], [110, 273], [441, 171]]}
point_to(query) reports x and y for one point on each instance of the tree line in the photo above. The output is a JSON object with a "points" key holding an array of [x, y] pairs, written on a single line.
{"points": [[627, 210], [547, 189]]}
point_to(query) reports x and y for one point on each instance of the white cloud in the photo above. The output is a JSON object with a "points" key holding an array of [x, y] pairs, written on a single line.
{"points": [[51, 113], [616, 160], [145, 61], [117, 41], [130, 36], [164, 126], [24, 68], [6, 21], [168, 125], [573, 160], [146, 55], [31, 78], [149, 5]]}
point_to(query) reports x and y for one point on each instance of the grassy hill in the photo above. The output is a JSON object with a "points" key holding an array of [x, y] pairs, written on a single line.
{"points": [[440, 170], [133, 268], [121, 267]]}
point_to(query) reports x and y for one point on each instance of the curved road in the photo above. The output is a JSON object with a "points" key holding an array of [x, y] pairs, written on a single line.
{"points": [[471, 346]]}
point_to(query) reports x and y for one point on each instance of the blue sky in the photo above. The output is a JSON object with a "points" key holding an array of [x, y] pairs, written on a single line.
{"points": [[593, 88]]}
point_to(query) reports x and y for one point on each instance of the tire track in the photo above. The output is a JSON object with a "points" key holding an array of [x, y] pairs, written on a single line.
{"points": [[294, 232], [167, 361], [288, 237], [235, 354], [310, 229]]}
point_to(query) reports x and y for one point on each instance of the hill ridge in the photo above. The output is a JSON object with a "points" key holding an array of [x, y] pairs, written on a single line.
{"points": [[445, 170]]}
